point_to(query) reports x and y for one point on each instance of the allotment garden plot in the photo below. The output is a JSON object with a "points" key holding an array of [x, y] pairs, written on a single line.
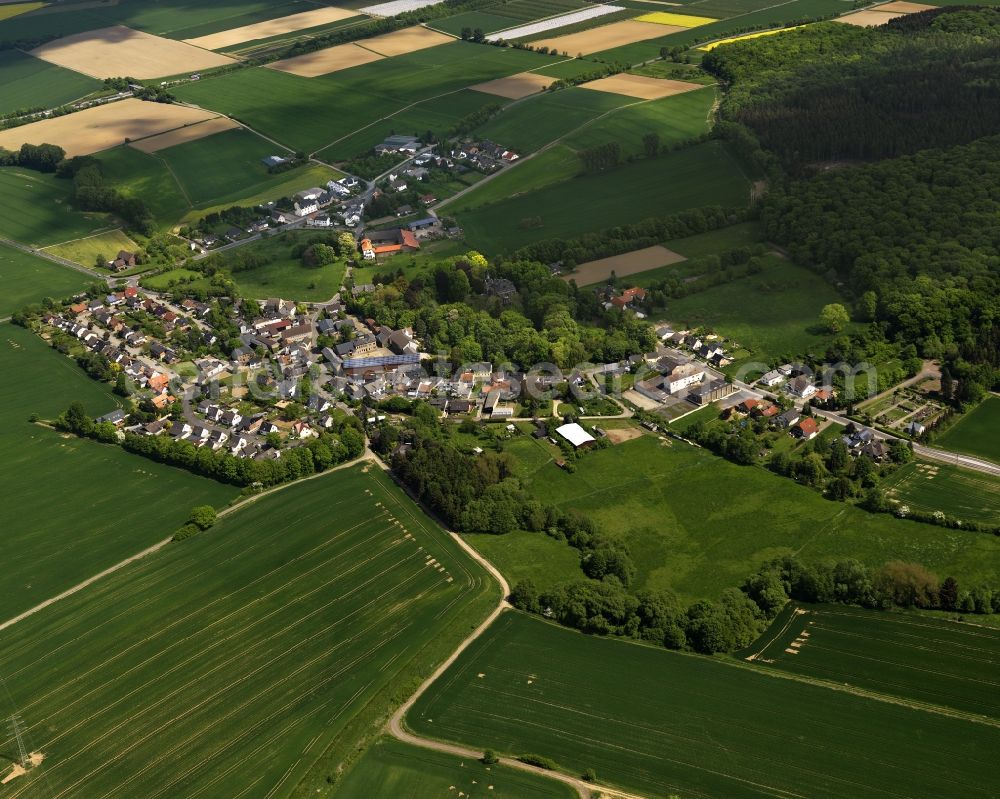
{"points": [[663, 723], [207, 669], [919, 659]]}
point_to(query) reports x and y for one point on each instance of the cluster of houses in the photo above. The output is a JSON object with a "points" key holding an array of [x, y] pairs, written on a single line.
{"points": [[792, 420], [484, 155], [676, 375], [123, 261], [709, 348], [383, 243]]}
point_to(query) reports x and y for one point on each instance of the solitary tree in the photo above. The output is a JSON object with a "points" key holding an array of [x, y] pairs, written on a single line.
{"points": [[834, 317]]}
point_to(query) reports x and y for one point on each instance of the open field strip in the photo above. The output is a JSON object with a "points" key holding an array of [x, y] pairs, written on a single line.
{"points": [[604, 38], [626, 264], [678, 20], [976, 432], [712, 45], [915, 658], [560, 21], [659, 722], [104, 126], [407, 40], [641, 87], [905, 6], [147, 56], [34, 208], [85, 251], [933, 487], [29, 82], [394, 7], [74, 507], [869, 18], [27, 279], [516, 86], [210, 654], [272, 27], [8, 10], [198, 130], [323, 62]]}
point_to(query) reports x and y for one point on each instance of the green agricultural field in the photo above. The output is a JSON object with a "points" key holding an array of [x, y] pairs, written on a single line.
{"points": [[248, 660], [34, 209], [929, 486], [530, 556], [176, 19], [392, 768], [85, 251], [976, 432], [771, 15], [770, 314], [26, 279], [697, 176], [698, 524], [438, 115], [917, 659], [226, 167], [674, 119], [298, 112], [138, 174], [663, 723], [543, 118], [716, 241], [484, 20], [30, 82], [74, 507], [554, 165]]}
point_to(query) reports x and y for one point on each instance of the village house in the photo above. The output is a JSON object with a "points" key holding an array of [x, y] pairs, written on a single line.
{"points": [[806, 429]]}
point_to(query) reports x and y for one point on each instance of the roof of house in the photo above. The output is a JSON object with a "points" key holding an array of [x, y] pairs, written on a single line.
{"points": [[808, 425]]}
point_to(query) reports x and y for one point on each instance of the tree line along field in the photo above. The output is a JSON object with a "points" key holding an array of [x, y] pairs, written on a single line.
{"points": [[229, 663], [298, 113], [930, 486], [976, 432], [34, 209], [918, 659], [705, 174], [698, 524], [74, 507], [392, 768], [663, 723], [175, 19], [30, 82], [27, 279]]}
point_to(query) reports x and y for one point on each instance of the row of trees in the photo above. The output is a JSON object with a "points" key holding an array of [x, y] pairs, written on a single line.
{"points": [[341, 444]]}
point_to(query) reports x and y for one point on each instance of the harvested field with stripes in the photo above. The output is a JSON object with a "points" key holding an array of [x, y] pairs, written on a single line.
{"points": [[516, 86], [115, 50], [190, 133], [641, 87], [272, 27], [628, 263], [323, 62], [226, 664], [607, 37]]}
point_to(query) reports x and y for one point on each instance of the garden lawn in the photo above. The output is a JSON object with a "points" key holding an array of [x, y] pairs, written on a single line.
{"points": [[29, 82], [930, 486], [291, 627], [915, 658], [698, 524], [977, 433], [34, 209], [772, 314], [74, 507], [393, 768], [693, 177], [27, 279], [662, 723]]}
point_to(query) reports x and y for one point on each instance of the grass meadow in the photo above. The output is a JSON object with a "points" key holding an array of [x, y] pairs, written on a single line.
{"points": [[286, 276], [138, 174], [393, 768], [246, 661], [914, 658], [771, 314], [30, 82], [697, 176], [85, 251], [662, 723], [299, 113], [930, 486], [72, 506], [976, 432], [697, 524], [27, 279], [34, 209]]}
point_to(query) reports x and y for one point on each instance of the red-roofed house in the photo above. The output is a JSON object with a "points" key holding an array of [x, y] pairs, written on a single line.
{"points": [[806, 429]]}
